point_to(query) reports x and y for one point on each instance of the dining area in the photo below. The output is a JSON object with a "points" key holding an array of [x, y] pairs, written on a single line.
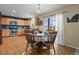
{"points": [[47, 34], [40, 42]]}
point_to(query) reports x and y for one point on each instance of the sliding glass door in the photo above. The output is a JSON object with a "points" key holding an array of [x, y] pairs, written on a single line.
{"points": [[56, 21]]}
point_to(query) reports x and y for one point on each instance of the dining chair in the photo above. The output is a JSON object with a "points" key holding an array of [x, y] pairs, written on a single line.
{"points": [[51, 39], [30, 40]]}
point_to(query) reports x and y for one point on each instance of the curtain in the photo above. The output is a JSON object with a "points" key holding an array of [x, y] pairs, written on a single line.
{"points": [[60, 28]]}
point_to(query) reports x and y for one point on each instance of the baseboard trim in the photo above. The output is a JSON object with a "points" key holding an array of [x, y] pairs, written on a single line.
{"points": [[68, 46]]}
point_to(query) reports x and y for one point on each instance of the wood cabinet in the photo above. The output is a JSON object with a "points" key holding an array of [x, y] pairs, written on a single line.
{"points": [[19, 21]]}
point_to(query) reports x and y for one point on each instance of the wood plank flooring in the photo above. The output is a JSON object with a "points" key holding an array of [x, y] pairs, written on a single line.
{"points": [[17, 45], [60, 50]]}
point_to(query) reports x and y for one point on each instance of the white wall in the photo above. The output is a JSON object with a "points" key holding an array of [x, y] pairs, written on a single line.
{"points": [[71, 31]]}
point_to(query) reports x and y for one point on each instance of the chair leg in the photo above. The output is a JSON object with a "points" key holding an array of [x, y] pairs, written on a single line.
{"points": [[48, 51], [32, 49], [26, 48], [54, 50]]}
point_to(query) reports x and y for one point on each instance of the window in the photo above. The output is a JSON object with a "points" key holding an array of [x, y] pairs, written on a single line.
{"points": [[52, 22], [45, 21]]}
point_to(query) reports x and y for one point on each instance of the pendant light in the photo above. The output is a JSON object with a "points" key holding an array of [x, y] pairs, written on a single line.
{"points": [[39, 10]]}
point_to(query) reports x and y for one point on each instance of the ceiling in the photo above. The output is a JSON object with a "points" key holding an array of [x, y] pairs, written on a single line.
{"points": [[29, 10]]}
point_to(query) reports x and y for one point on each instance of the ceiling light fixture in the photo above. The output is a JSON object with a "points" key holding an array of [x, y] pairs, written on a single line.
{"points": [[13, 11], [30, 16], [39, 10]]}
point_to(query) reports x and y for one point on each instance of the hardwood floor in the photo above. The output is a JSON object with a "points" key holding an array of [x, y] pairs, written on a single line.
{"points": [[60, 50], [64, 50], [17, 45]]}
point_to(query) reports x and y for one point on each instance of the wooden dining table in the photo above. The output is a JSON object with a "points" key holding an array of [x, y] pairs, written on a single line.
{"points": [[39, 37], [41, 41]]}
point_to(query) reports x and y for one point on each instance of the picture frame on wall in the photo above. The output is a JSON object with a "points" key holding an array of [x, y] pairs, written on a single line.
{"points": [[73, 18]]}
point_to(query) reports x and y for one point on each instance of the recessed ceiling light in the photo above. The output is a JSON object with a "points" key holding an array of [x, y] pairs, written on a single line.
{"points": [[30, 16], [13, 11]]}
